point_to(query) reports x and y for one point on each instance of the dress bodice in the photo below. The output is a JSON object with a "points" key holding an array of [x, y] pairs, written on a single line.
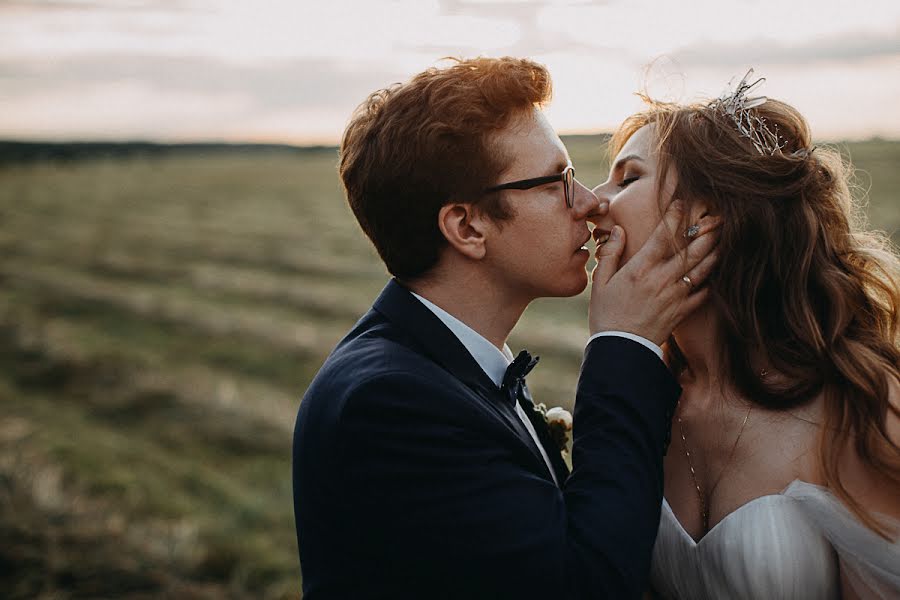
{"points": [[790, 545]]}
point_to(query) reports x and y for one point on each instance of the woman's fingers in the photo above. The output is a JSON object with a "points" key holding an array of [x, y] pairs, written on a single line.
{"points": [[700, 273], [694, 301], [658, 286], [608, 255], [689, 290], [695, 230], [696, 252], [661, 243]]}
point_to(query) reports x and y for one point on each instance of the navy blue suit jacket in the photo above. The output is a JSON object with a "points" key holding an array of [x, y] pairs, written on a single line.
{"points": [[413, 477]]}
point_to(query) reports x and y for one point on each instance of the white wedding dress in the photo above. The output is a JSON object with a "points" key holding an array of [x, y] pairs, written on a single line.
{"points": [[788, 545]]}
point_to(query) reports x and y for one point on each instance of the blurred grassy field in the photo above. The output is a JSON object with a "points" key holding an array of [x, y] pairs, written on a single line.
{"points": [[160, 317]]}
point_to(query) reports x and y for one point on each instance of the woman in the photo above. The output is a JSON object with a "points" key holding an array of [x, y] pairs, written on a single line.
{"points": [[783, 477]]}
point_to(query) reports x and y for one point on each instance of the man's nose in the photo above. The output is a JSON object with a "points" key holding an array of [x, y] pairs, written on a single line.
{"points": [[586, 204]]}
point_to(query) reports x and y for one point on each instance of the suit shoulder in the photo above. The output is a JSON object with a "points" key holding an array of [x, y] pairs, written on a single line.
{"points": [[367, 360], [376, 353]]}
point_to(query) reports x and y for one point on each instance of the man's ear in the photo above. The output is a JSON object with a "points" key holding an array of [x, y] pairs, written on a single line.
{"points": [[464, 227]]}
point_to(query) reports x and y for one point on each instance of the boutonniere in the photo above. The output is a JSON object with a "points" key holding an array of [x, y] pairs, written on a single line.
{"points": [[559, 422]]}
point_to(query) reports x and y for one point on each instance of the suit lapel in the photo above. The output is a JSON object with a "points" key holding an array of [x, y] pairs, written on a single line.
{"points": [[440, 344], [435, 340], [543, 433]]}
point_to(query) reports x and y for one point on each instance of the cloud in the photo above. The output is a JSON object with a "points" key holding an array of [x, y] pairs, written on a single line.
{"points": [[169, 98], [846, 47], [276, 84], [119, 110], [46, 30], [257, 32], [274, 68], [92, 5]]}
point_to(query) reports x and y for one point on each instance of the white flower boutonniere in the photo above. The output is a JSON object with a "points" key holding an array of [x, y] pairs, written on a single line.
{"points": [[559, 421]]}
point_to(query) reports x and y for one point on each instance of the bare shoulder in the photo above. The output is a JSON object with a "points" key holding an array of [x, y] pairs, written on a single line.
{"points": [[864, 482]]}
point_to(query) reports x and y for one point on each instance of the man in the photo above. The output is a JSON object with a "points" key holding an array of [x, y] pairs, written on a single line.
{"points": [[420, 470]]}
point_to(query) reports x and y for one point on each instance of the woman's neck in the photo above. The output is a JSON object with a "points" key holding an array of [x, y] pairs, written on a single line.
{"points": [[697, 338]]}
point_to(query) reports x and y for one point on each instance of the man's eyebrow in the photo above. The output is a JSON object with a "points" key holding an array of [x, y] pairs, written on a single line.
{"points": [[562, 163], [625, 159]]}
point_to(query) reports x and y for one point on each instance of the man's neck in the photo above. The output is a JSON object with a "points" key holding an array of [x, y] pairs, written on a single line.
{"points": [[479, 304]]}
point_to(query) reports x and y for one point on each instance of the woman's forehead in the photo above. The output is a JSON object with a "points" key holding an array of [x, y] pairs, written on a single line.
{"points": [[639, 144]]}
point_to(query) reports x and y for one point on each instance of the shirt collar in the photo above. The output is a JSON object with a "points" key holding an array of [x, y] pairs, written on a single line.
{"points": [[491, 360]]}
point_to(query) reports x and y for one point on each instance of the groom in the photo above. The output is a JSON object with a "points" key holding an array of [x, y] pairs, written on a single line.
{"points": [[420, 468]]}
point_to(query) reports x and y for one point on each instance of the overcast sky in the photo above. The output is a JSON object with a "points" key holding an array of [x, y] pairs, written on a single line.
{"points": [[293, 70]]}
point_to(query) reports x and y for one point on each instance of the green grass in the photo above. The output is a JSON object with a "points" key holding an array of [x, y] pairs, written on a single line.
{"points": [[160, 318]]}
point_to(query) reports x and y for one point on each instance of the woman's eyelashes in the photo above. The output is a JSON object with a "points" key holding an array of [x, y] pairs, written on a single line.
{"points": [[628, 181]]}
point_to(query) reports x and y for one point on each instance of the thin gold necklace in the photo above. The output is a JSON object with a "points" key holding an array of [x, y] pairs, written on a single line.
{"points": [[704, 505]]}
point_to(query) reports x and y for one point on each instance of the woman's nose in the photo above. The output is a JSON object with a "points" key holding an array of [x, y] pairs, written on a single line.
{"points": [[602, 192], [604, 197], [587, 204]]}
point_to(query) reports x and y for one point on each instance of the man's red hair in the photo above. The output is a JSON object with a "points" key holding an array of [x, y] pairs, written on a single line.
{"points": [[412, 148]]}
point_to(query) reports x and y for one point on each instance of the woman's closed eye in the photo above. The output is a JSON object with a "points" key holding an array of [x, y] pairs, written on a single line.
{"points": [[628, 181]]}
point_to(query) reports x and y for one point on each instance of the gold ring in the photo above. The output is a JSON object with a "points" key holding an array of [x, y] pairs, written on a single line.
{"points": [[688, 281]]}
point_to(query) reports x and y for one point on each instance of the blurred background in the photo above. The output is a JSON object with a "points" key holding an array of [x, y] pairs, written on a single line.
{"points": [[177, 259]]}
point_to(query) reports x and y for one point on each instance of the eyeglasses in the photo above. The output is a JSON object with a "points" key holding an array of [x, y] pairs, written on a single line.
{"points": [[567, 177]]}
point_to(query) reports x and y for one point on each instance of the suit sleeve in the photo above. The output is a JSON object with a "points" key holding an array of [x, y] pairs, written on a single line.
{"points": [[623, 411], [435, 498]]}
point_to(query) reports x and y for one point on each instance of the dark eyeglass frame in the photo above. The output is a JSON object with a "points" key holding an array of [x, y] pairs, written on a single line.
{"points": [[567, 177]]}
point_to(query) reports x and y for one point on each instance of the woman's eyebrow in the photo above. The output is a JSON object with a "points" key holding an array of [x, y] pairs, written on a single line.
{"points": [[621, 162]]}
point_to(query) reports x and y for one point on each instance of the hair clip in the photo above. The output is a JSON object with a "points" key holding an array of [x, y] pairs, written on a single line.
{"points": [[803, 152], [737, 105]]}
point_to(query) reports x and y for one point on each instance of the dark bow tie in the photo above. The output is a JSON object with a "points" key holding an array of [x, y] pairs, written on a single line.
{"points": [[514, 379]]}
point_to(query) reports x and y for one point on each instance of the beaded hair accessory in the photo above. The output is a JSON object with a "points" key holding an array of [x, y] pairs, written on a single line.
{"points": [[737, 105]]}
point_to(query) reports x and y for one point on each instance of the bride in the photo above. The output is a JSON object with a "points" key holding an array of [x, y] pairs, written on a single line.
{"points": [[783, 476]]}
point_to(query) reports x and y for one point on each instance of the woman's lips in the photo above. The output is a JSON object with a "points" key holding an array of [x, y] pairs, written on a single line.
{"points": [[600, 235]]}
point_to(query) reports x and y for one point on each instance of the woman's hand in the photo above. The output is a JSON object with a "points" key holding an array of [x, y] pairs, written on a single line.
{"points": [[660, 285]]}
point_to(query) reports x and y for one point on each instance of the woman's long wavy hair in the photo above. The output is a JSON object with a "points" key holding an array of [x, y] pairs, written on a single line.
{"points": [[801, 287]]}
